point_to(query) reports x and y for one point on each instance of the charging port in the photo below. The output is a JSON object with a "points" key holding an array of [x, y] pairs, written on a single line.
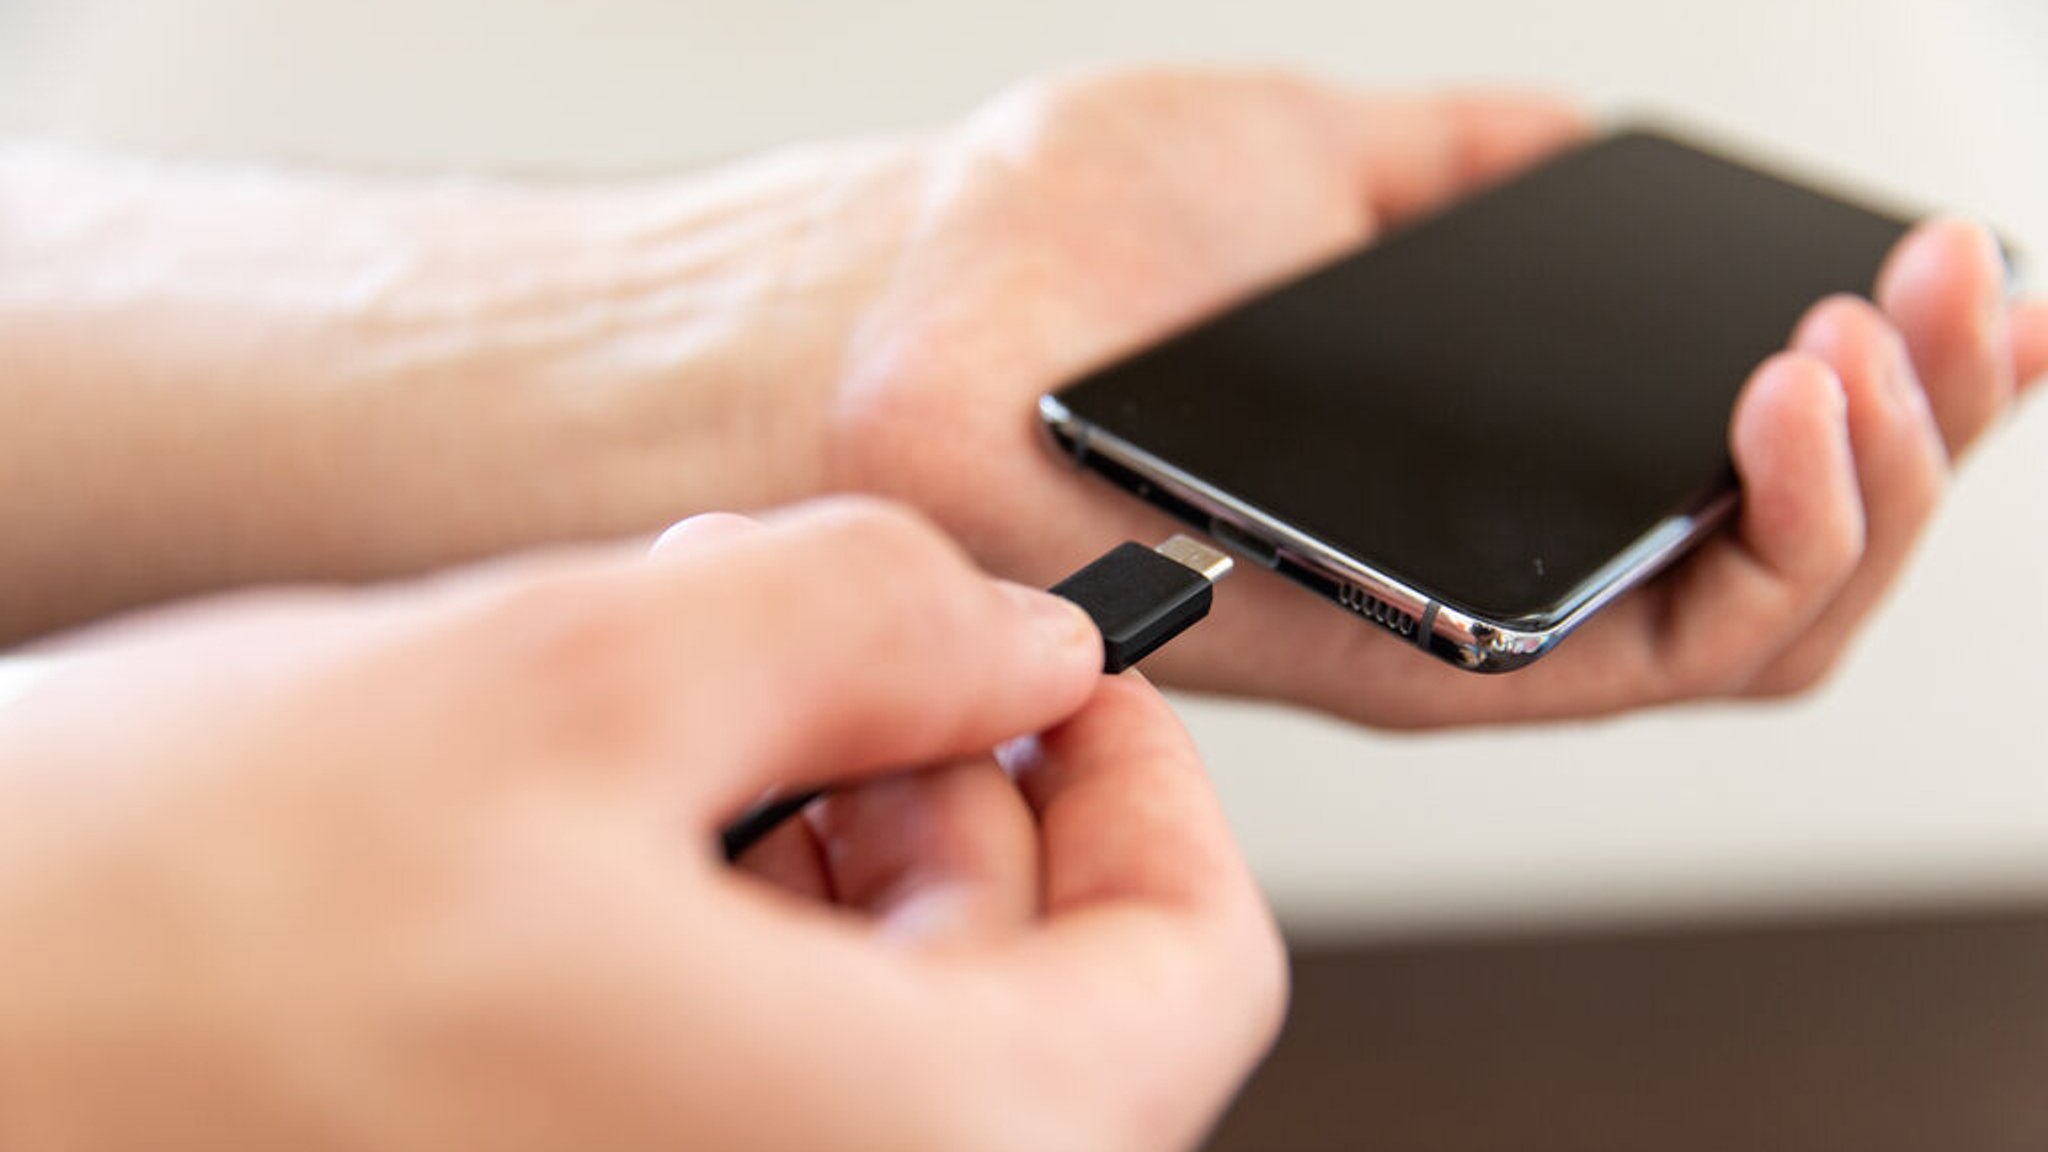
{"points": [[1244, 543]]}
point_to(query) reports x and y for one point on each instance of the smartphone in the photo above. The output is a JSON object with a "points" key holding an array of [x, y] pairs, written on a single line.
{"points": [[1478, 430]]}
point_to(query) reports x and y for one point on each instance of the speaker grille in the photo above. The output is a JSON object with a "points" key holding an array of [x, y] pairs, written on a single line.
{"points": [[1371, 607]]}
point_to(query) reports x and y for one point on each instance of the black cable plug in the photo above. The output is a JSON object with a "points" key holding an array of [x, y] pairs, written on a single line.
{"points": [[1139, 598], [1142, 597]]}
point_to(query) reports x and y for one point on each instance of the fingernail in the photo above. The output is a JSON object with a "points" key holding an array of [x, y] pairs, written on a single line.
{"points": [[1991, 308], [1902, 381], [1994, 248], [1837, 397], [701, 529], [1991, 305], [935, 912], [1019, 754], [1060, 624]]}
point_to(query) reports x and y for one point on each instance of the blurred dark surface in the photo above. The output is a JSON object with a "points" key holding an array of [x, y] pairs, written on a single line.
{"points": [[1908, 1034]]}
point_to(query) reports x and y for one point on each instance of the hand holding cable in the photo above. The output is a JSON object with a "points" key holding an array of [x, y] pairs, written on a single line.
{"points": [[1138, 597]]}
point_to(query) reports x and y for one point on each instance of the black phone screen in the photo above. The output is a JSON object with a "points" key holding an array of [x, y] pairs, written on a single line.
{"points": [[1491, 404]]}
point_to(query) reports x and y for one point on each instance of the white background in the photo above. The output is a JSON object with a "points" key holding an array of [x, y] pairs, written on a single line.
{"points": [[1917, 776]]}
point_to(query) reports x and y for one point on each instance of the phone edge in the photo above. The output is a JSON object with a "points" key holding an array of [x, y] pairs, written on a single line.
{"points": [[1466, 640]]}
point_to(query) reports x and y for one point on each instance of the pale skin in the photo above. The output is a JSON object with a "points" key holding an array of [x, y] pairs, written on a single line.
{"points": [[431, 867], [483, 801]]}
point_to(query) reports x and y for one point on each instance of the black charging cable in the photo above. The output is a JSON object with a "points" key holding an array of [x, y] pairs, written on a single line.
{"points": [[1139, 598]]}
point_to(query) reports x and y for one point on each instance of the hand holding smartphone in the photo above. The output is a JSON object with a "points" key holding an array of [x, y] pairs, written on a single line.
{"points": [[1104, 214], [1478, 431]]}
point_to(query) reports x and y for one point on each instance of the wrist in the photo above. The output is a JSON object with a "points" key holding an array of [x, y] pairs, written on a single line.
{"points": [[602, 360], [732, 297], [232, 377]]}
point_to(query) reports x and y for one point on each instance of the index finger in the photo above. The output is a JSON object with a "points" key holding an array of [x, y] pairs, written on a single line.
{"points": [[849, 638], [839, 640]]}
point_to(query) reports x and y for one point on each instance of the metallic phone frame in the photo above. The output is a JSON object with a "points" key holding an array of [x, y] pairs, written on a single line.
{"points": [[1463, 639]]}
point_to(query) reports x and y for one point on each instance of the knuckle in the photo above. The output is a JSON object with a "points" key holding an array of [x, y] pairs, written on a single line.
{"points": [[1024, 119], [1850, 337], [1905, 506], [882, 545], [1799, 674], [1039, 97], [1813, 549], [1714, 672], [1839, 543], [915, 587], [1852, 312], [870, 523], [1813, 368], [560, 618], [1049, 116], [1847, 544], [575, 653], [1061, 96]]}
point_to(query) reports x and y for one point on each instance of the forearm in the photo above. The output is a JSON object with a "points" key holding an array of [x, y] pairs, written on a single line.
{"points": [[213, 378]]}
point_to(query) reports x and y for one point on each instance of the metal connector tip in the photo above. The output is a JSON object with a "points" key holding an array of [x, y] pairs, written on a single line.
{"points": [[1213, 563]]}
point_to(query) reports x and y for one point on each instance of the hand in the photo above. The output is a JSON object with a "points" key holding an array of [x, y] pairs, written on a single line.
{"points": [[432, 866], [1074, 221]]}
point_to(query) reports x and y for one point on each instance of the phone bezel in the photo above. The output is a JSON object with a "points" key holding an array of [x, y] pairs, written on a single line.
{"points": [[1461, 637]]}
